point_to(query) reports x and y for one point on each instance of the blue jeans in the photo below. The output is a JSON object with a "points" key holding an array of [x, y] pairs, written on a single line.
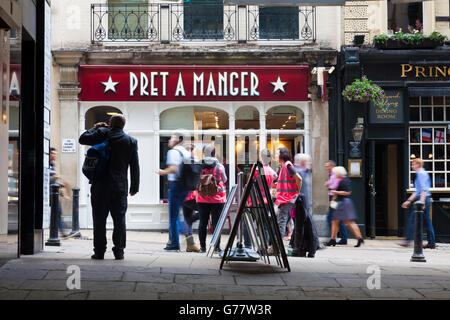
{"points": [[427, 225], [342, 230], [176, 198]]}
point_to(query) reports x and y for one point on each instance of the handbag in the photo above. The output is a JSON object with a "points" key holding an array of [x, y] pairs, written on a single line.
{"points": [[334, 204]]}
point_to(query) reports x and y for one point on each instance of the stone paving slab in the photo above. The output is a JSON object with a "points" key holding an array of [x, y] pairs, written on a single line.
{"points": [[221, 289], [151, 277], [204, 279], [148, 272], [57, 295]]}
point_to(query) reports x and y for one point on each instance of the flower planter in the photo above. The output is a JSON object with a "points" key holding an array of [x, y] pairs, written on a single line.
{"points": [[394, 44]]}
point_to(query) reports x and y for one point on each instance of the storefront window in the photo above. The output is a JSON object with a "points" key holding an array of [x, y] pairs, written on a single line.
{"points": [[432, 144], [99, 114], [285, 118], [429, 109], [247, 118], [194, 118]]}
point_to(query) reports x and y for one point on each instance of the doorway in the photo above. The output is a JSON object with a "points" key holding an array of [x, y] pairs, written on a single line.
{"points": [[387, 204]]}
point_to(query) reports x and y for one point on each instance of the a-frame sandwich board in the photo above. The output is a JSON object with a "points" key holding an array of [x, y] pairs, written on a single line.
{"points": [[265, 215]]}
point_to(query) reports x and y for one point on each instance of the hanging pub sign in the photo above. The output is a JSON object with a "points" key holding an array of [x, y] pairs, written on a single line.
{"points": [[391, 110], [194, 83]]}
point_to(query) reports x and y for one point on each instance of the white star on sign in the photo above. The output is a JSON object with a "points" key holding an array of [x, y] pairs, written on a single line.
{"points": [[110, 85], [278, 85]]}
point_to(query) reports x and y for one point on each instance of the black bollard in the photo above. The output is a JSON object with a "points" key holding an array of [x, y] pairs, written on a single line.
{"points": [[53, 240], [418, 232], [75, 233]]}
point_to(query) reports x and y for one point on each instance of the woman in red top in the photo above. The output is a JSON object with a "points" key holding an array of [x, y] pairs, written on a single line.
{"points": [[289, 185]]}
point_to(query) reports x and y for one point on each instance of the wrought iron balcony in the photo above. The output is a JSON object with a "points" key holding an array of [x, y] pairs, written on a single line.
{"points": [[135, 22]]}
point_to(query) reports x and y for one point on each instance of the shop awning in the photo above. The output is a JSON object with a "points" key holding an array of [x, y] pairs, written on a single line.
{"points": [[287, 2], [428, 92]]}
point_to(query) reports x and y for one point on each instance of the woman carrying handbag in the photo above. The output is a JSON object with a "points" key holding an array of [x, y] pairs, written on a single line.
{"points": [[344, 209]]}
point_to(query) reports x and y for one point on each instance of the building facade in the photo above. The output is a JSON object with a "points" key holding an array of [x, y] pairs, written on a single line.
{"points": [[238, 76], [24, 125], [411, 123]]}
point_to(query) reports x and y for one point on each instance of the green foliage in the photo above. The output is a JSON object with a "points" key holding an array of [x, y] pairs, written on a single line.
{"points": [[411, 39], [436, 36], [362, 90]]}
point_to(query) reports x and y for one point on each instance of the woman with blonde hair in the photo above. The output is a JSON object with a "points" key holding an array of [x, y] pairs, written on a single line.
{"points": [[344, 208]]}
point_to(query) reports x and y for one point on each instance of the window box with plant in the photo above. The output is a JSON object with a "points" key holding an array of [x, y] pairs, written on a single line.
{"points": [[416, 40], [362, 90]]}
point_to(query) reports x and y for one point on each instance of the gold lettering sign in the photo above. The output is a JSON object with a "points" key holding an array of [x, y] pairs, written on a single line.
{"points": [[423, 72], [391, 109]]}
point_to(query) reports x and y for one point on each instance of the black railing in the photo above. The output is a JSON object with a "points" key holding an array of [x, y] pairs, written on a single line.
{"points": [[125, 22], [134, 22]]}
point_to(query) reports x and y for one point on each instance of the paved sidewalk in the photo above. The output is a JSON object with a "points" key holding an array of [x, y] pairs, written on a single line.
{"points": [[148, 272]]}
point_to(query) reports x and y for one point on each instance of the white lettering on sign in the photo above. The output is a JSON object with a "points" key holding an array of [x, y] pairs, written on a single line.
{"points": [[233, 83], [14, 88], [180, 87], [133, 83], [68, 146]]}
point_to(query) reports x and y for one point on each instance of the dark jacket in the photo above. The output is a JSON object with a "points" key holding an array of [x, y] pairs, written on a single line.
{"points": [[124, 153], [306, 238]]}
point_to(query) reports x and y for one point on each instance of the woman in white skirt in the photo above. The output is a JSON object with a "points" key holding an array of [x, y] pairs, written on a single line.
{"points": [[345, 209]]}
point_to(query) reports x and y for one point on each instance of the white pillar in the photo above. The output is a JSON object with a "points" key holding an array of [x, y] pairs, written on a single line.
{"points": [[231, 149], [262, 130], [307, 111]]}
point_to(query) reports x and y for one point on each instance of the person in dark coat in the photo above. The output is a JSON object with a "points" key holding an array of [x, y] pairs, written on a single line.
{"points": [[344, 209], [306, 240], [109, 195]]}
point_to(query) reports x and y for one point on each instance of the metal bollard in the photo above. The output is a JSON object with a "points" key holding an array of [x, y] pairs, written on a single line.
{"points": [[75, 233], [54, 198], [418, 232]]}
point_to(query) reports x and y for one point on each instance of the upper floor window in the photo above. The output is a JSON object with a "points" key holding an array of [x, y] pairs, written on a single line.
{"points": [[203, 19], [278, 23], [128, 19], [405, 17]]}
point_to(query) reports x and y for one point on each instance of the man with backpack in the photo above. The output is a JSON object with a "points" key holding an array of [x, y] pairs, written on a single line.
{"points": [[109, 189], [177, 156]]}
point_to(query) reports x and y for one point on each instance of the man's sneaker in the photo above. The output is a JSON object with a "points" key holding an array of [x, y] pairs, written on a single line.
{"points": [[217, 250], [203, 249], [429, 246], [342, 242], [170, 248], [192, 248]]}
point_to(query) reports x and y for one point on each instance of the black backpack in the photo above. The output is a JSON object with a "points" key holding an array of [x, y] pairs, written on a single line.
{"points": [[189, 174]]}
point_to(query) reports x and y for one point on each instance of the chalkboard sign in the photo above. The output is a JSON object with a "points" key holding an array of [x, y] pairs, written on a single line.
{"points": [[391, 111]]}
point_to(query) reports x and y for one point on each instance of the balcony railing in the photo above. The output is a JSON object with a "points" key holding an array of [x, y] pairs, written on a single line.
{"points": [[134, 22]]}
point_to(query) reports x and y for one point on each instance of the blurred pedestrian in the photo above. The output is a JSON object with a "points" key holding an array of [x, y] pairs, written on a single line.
{"points": [[344, 208], [289, 185], [176, 156], [190, 213], [212, 194], [54, 179], [332, 184], [305, 238], [109, 194], [422, 184]]}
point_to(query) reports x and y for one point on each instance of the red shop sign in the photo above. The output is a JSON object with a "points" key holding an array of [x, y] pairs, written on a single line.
{"points": [[193, 83]]}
